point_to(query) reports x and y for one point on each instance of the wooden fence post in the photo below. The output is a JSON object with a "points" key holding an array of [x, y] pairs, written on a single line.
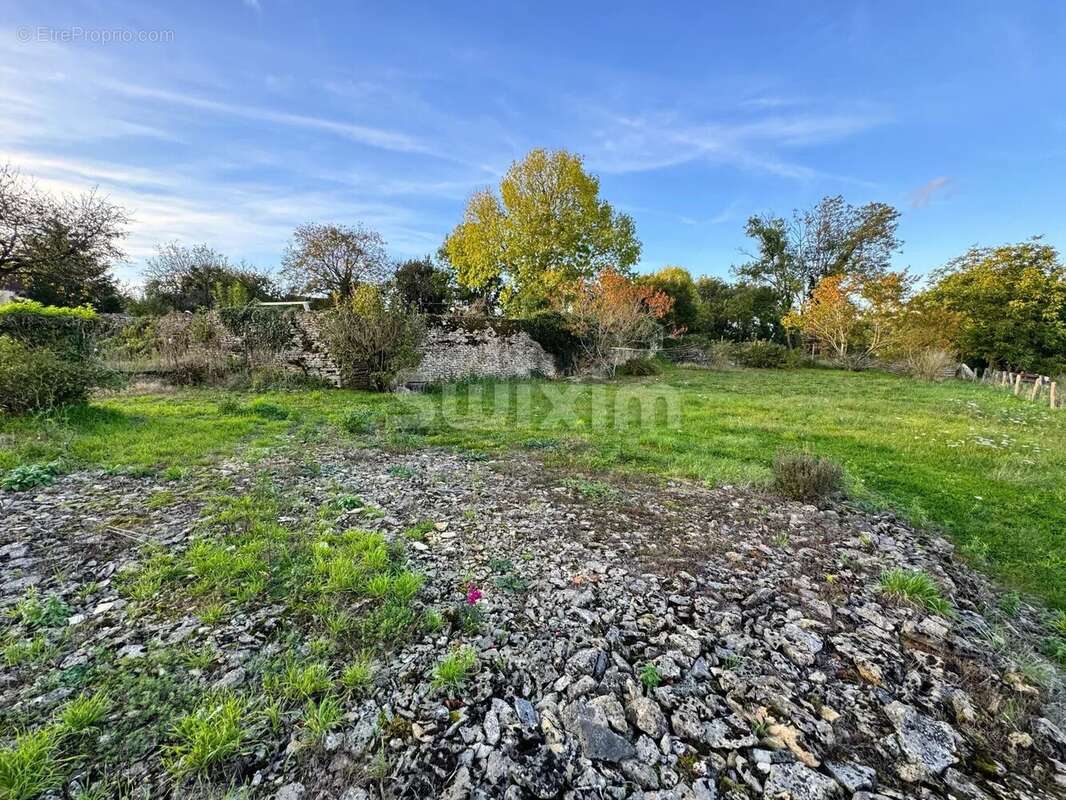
{"points": [[1053, 387]]}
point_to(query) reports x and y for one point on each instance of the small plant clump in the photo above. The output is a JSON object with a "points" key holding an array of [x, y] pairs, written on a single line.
{"points": [[917, 588], [806, 478], [321, 717], [359, 675], [30, 476], [32, 765], [451, 673], [650, 676], [214, 732], [84, 712]]}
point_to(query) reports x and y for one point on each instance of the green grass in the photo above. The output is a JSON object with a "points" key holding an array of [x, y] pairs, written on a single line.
{"points": [[986, 467], [32, 765], [214, 732], [917, 588], [84, 712], [454, 669]]}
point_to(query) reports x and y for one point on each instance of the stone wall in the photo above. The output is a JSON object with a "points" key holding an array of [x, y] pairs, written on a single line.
{"points": [[453, 353], [453, 350]]}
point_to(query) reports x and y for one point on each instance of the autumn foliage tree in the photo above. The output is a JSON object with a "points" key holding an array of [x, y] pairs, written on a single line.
{"points": [[612, 311], [547, 228], [334, 260], [854, 318]]}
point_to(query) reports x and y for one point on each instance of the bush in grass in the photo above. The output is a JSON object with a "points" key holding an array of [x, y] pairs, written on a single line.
{"points": [[930, 364], [359, 420], [719, 354], [762, 355], [35, 378], [374, 337], [639, 367], [801, 476]]}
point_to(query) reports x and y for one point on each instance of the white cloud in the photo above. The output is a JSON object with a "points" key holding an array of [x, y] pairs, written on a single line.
{"points": [[926, 193], [364, 134]]}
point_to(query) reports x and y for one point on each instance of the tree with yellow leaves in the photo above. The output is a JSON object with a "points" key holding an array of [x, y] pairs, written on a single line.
{"points": [[547, 228]]}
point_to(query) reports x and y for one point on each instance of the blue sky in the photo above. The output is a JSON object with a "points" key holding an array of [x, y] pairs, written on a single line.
{"points": [[256, 116]]}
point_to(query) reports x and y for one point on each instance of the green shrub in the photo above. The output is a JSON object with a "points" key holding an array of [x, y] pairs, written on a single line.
{"points": [[762, 355], [550, 330], [801, 476], [639, 367], [35, 378], [28, 476], [359, 420], [374, 337], [66, 331]]}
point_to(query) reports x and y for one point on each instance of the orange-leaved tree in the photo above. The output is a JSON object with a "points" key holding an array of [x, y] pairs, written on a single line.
{"points": [[854, 318], [612, 311]]}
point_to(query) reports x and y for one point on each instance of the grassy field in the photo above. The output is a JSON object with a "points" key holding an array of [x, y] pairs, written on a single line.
{"points": [[986, 467]]}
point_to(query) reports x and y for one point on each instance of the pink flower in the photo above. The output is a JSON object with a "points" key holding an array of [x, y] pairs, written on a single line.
{"points": [[473, 594]]}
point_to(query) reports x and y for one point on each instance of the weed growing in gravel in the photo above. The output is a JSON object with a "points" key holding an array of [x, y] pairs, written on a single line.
{"points": [[33, 612], [592, 490], [32, 765], [161, 499], [454, 669], [321, 717], [214, 732], [84, 712], [917, 588], [402, 471], [175, 473], [418, 532], [1010, 604], [650, 677], [31, 651], [433, 620], [302, 681], [405, 586], [359, 675], [348, 502], [200, 657], [30, 476]]}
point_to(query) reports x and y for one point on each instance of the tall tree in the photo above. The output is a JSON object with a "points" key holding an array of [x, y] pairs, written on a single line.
{"points": [[334, 260], [58, 249], [547, 228], [424, 286], [837, 238], [677, 283], [186, 278], [832, 238], [1012, 300], [774, 262]]}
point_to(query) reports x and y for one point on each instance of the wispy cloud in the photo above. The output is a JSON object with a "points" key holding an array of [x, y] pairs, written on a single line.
{"points": [[925, 194], [638, 143], [375, 137]]}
